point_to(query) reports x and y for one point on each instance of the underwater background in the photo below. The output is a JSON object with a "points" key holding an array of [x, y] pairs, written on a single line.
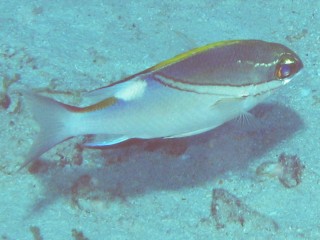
{"points": [[235, 182]]}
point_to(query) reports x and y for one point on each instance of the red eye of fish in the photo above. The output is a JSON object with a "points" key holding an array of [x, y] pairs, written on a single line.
{"points": [[286, 67], [284, 71]]}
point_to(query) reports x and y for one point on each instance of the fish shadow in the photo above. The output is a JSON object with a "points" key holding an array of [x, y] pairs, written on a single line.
{"points": [[139, 167]]}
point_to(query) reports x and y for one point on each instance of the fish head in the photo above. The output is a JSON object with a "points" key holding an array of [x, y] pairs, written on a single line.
{"points": [[271, 61], [237, 68], [272, 66]]}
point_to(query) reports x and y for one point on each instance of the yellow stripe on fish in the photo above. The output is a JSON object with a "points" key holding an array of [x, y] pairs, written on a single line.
{"points": [[190, 53], [95, 107]]}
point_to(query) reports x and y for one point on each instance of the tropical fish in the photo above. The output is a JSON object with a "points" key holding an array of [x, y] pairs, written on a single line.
{"points": [[186, 95]]}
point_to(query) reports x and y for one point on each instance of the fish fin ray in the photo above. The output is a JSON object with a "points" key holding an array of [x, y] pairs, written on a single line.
{"points": [[247, 120]]}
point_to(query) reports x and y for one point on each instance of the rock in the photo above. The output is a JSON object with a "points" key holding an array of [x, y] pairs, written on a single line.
{"points": [[229, 211]]}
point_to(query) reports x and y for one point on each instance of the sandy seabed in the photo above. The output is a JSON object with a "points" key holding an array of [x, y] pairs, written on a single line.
{"points": [[225, 184]]}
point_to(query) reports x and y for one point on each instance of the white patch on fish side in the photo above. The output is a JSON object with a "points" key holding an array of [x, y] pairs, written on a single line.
{"points": [[132, 91]]}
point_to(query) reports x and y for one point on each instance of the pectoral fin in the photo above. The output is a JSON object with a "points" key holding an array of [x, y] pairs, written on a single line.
{"points": [[224, 101], [187, 134]]}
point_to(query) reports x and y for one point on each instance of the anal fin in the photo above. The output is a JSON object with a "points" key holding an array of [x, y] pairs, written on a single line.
{"points": [[103, 140], [188, 134]]}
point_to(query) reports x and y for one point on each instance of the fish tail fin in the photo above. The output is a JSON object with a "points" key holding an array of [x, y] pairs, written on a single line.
{"points": [[54, 120]]}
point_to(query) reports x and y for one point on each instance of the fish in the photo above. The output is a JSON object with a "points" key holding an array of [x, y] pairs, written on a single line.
{"points": [[189, 94]]}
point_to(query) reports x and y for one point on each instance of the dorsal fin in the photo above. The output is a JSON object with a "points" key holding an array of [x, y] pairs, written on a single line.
{"points": [[126, 91]]}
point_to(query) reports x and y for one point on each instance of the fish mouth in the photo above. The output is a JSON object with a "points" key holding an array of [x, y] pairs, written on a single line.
{"points": [[287, 80]]}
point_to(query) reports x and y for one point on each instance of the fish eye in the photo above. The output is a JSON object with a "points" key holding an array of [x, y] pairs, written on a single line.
{"points": [[286, 67]]}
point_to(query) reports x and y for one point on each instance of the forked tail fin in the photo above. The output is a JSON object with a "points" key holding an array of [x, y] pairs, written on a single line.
{"points": [[54, 121]]}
